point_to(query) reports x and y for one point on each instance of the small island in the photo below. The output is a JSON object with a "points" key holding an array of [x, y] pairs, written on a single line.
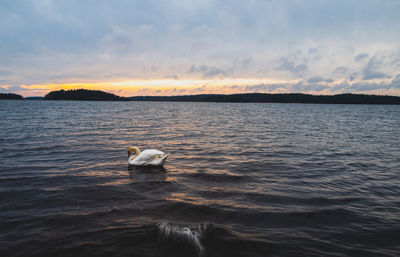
{"points": [[5, 96], [83, 95]]}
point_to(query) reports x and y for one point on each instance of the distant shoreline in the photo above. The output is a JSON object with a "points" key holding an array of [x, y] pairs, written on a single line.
{"points": [[96, 95], [276, 98]]}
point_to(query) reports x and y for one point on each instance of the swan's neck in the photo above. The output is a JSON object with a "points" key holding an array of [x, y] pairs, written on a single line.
{"points": [[137, 151]]}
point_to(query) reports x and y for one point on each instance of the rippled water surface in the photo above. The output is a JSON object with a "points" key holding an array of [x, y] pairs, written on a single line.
{"points": [[240, 179]]}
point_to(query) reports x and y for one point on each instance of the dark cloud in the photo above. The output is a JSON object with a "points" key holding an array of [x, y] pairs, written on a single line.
{"points": [[289, 87], [240, 65], [362, 86], [371, 74], [361, 57], [312, 50], [365, 86], [319, 88], [245, 63], [341, 70], [371, 71], [353, 76], [317, 79], [201, 89], [172, 76], [262, 87], [300, 68], [303, 87], [298, 87], [396, 82], [207, 71], [289, 65], [286, 64], [144, 90], [395, 59]]}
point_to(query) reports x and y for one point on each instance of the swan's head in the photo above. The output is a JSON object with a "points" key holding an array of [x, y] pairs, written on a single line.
{"points": [[133, 149]]}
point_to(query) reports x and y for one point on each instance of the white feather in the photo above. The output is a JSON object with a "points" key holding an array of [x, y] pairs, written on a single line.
{"points": [[151, 157]]}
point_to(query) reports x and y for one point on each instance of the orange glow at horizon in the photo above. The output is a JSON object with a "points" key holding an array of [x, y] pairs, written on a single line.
{"points": [[159, 87], [168, 87]]}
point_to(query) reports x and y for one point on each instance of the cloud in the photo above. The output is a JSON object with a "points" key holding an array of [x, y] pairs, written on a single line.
{"points": [[260, 87], [396, 82], [317, 79], [371, 74], [288, 65], [371, 70], [360, 57], [312, 50], [207, 71], [362, 86], [301, 87], [245, 63], [341, 70], [95, 41], [5, 73], [172, 76], [300, 68]]}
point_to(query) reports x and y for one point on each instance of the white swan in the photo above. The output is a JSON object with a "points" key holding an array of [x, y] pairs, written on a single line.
{"points": [[149, 157]]}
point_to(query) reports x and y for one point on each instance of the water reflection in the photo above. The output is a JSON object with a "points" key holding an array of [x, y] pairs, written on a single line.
{"points": [[146, 174], [146, 169]]}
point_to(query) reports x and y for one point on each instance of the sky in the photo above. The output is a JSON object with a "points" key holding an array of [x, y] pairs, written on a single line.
{"points": [[171, 47]]}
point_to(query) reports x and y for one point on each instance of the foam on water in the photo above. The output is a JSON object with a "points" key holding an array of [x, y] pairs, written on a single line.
{"points": [[178, 233]]}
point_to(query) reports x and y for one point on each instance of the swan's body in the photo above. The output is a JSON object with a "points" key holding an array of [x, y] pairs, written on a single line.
{"points": [[149, 157]]}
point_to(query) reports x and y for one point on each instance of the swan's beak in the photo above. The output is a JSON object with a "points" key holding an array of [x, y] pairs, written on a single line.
{"points": [[129, 154]]}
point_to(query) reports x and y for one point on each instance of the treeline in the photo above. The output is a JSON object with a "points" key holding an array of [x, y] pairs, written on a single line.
{"points": [[83, 95], [10, 96], [97, 95], [277, 98]]}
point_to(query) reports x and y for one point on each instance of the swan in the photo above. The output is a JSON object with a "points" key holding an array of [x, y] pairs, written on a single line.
{"points": [[150, 157]]}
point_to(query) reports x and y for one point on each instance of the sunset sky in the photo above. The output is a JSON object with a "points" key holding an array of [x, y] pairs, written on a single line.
{"points": [[193, 47]]}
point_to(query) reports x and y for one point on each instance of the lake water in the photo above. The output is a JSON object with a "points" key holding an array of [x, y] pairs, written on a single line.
{"points": [[240, 179]]}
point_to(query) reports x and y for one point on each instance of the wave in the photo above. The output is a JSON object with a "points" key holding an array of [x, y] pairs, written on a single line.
{"points": [[184, 234]]}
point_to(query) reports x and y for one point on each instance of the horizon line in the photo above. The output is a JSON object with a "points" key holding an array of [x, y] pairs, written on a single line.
{"points": [[227, 94]]}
